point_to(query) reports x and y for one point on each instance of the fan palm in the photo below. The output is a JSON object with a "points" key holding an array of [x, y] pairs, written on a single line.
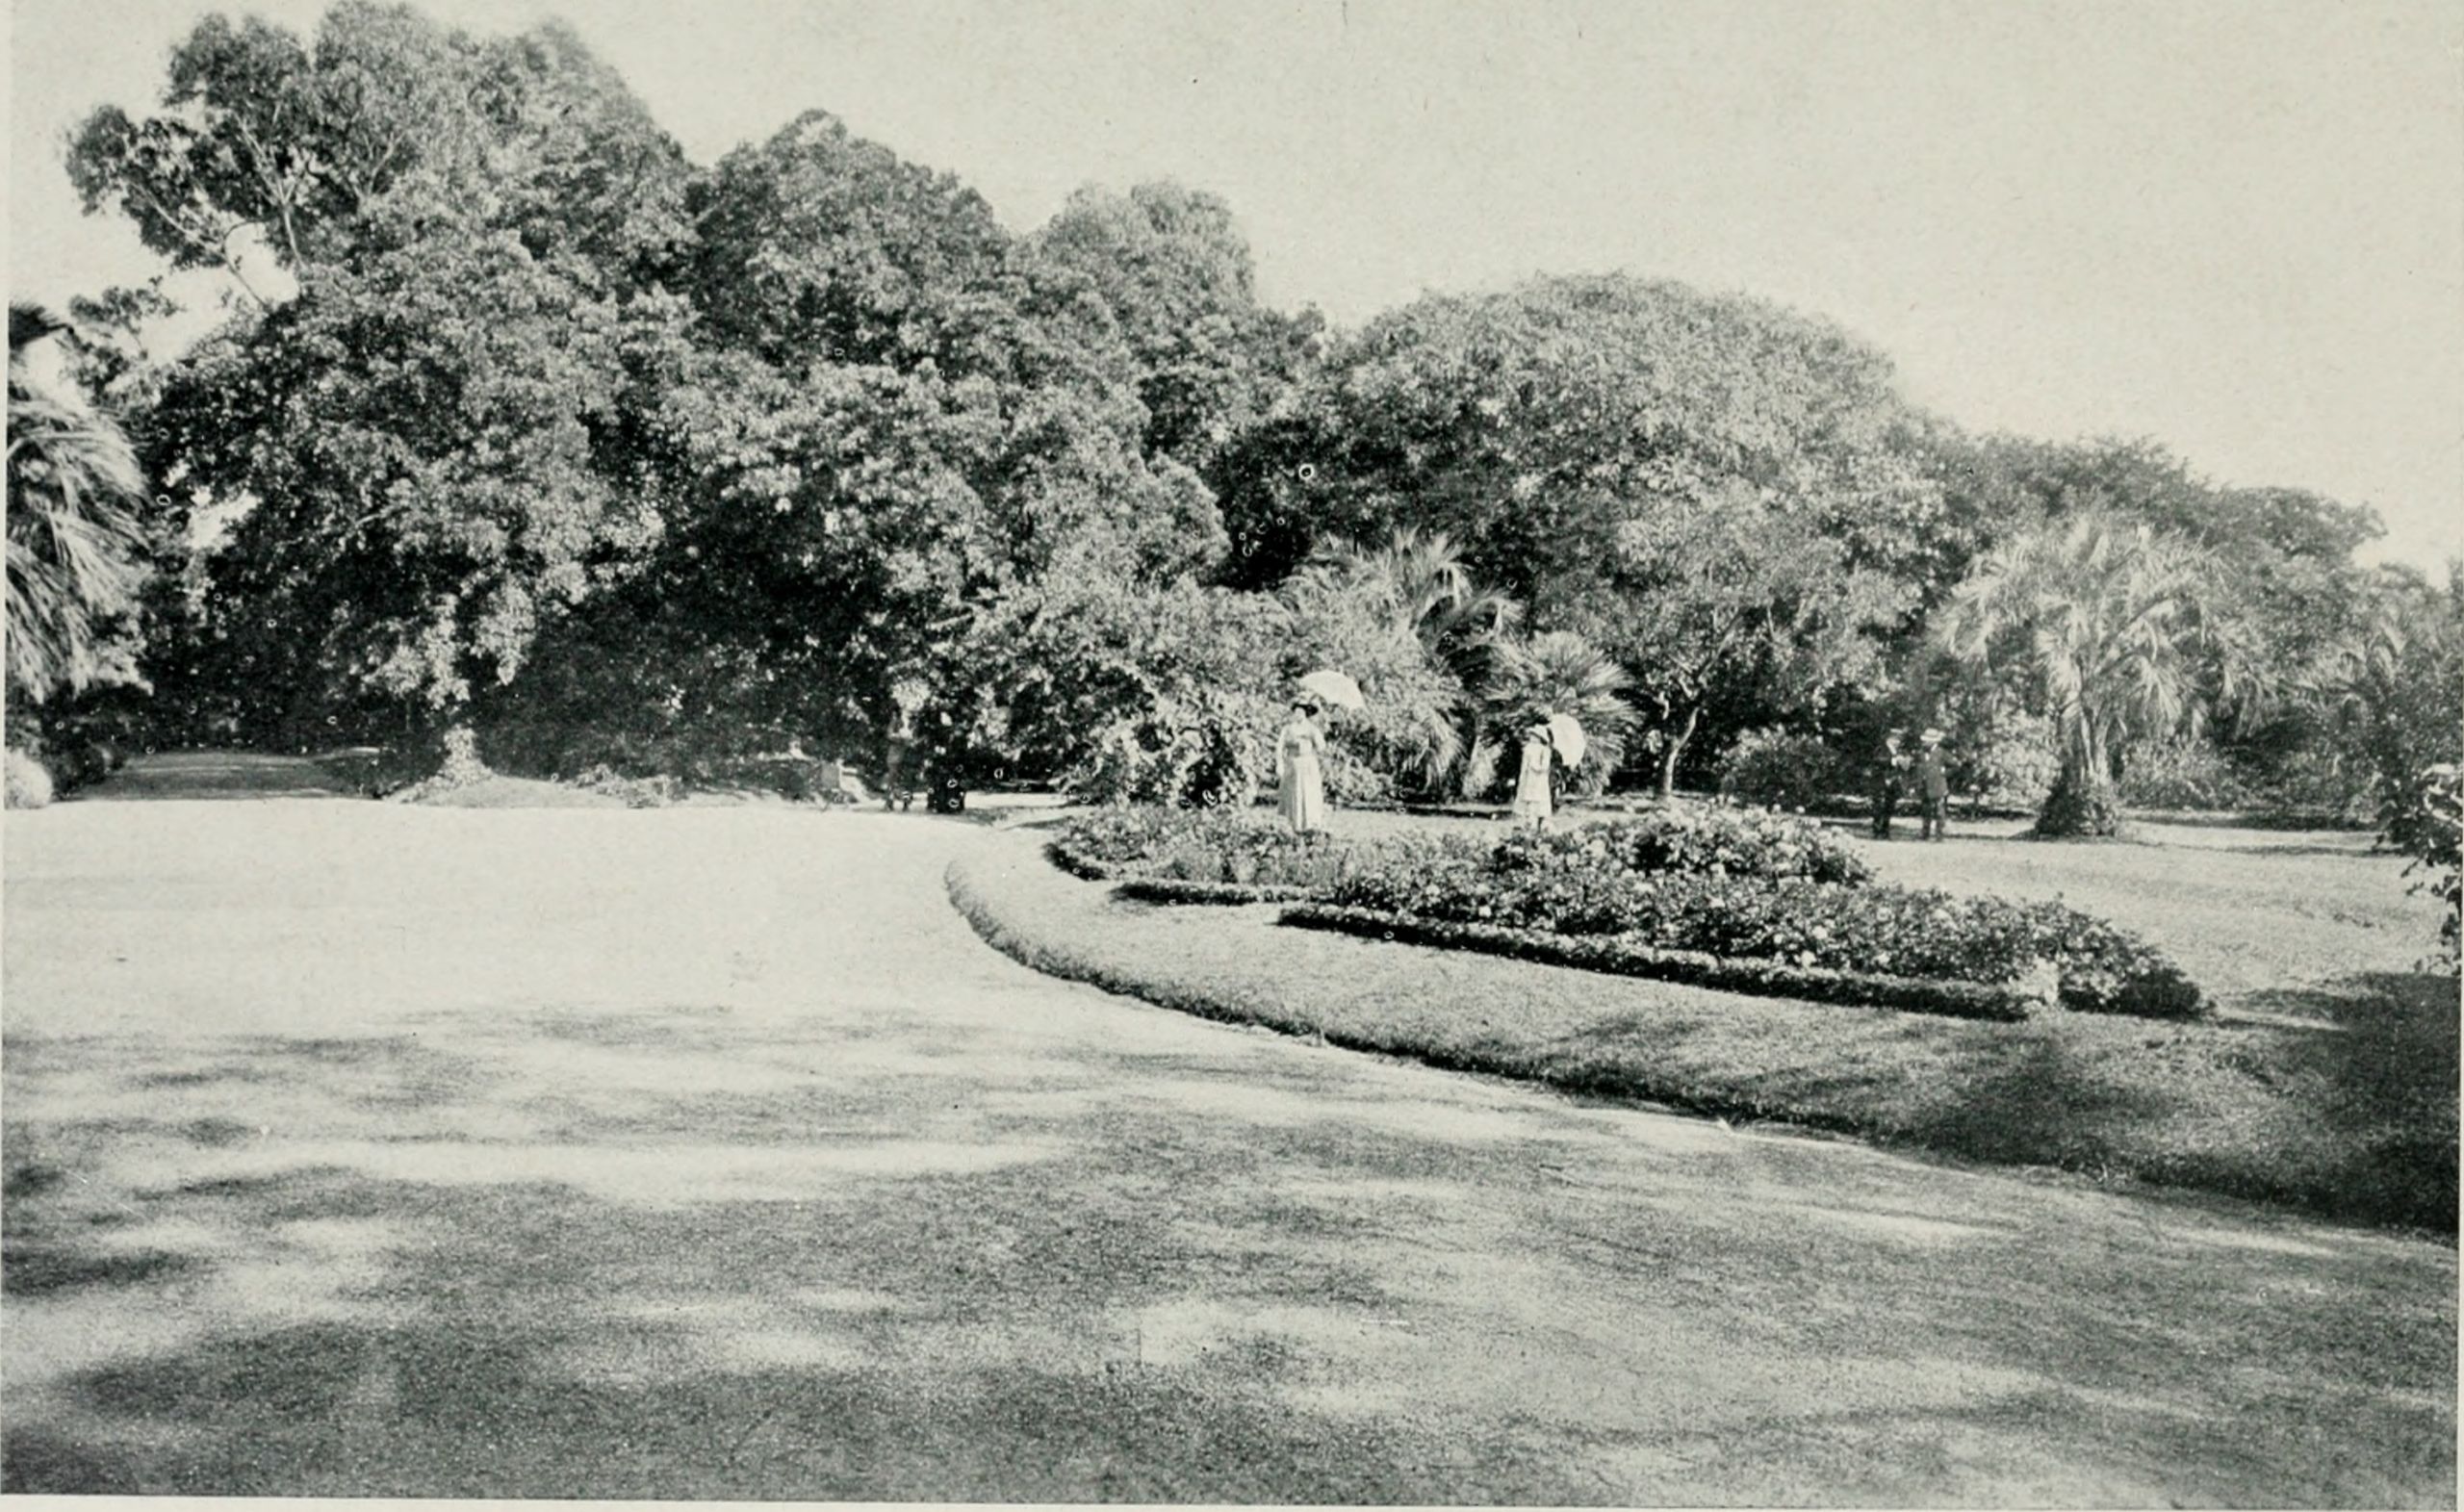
{"points": [[1427, 592], [74, 539], [2115, 622], [1558, 672]]}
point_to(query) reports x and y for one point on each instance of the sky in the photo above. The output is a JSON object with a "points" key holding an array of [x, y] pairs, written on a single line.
{"points": [[2236, 228]]}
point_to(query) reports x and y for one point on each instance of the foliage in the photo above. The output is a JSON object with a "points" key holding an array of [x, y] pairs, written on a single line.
{"points": [[1587, 887], [76, 546], [2104, 616], [1556, 672], [1170, 271], [1247, 847], [435, 448], [1738, 603], [1779, 766], [29, 784], [2183, 773], [1715, 840], [2437, 844]]}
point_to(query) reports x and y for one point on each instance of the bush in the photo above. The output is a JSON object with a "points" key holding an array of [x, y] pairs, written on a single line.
{"points": [[2184, 775], [1775, 766], [2436, 840], [29, 784], [1708, 838], [1580, 888], [634, 792]]}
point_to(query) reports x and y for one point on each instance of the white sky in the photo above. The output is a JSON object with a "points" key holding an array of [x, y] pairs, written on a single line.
{"points": [[2237, 226]]}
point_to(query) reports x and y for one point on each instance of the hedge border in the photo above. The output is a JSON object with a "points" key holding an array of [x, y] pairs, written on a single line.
{"points": [[1734, 974], [1070, 860], [1183, 891]]}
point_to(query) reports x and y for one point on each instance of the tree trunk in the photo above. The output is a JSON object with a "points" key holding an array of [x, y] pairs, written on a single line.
{"points": [[1677, 749], [2082, 800]]}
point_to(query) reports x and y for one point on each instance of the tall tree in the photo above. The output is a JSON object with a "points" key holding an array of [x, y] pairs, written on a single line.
{"points": [[1170, 269], [437, 446], [2108, 618]]}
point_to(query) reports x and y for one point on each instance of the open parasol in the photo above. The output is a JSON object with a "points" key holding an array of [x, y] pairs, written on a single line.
{"points": [[1569, 738], [1331, 687]]}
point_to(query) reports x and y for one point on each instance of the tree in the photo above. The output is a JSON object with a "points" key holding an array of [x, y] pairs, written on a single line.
{"points": [[2108, 618], [438, 446], [76, 543], [1735, 603], [1173, 275], [1533, 425]]}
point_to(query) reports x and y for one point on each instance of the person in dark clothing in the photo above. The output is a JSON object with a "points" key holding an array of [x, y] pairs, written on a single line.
{"points": [[1890, 774], [1933, 784]]}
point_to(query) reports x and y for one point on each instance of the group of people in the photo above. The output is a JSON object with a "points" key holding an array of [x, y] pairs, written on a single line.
{"points": [[1921, 776], [1301, 773]]}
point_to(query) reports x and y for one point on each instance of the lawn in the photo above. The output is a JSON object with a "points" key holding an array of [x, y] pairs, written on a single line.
{"points": [[2325, 1082]]}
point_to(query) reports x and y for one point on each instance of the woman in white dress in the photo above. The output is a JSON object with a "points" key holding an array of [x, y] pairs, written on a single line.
{"points": [[1534, 802], [1299, 749]]}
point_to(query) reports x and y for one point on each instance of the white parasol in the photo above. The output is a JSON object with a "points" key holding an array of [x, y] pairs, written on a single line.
{"points": [[1569, 738], [1333, 687]]}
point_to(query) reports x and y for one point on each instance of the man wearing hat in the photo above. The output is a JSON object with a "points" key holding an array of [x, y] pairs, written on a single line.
{"points": [[1933, 783], [1890, 775]]}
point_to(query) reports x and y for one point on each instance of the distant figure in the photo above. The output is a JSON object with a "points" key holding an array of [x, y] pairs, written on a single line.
{"points": [[1890, 775], [1933, 783], [1300, 769], [896, 753], [1534, 801]]}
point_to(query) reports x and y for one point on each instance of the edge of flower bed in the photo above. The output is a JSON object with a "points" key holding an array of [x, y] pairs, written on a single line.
{"points": [[1167, 890], [1182, 890], [1767, 978]]}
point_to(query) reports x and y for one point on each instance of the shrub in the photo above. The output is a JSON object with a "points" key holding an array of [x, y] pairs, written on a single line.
{"points": [[29, 784], [1243, 846], [1776, 766], [1702, 837], [2436, 840], [634, 792], [2182, 774]]}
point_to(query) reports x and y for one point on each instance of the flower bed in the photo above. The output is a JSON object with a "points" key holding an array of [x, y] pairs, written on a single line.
{"points": [[1245, 848], [1588, 890], [1761, 889], [1625, 958]]}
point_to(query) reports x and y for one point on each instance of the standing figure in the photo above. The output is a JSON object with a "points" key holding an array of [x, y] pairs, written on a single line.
{"points": [[1534, 800], [1933, 784], [1890, 775], [1299, 765]]}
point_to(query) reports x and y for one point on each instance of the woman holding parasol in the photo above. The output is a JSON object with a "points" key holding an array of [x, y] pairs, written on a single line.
{"points": [[1301, 750]]}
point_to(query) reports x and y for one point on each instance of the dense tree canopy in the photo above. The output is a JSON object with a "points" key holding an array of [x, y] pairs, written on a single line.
{"points": [[522, 421]]}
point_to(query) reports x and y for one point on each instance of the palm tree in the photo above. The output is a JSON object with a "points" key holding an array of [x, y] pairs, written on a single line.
{"points": [[1428, 593], [75, 559], [1558, 672], [2111, 620]]}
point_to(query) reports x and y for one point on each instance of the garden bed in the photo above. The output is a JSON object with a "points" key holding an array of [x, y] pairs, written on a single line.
{"points": [[1622, 958], [1755, 900]]}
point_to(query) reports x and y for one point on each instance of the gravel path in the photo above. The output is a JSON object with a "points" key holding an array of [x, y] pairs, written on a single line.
{"points": [[355, 1148]]}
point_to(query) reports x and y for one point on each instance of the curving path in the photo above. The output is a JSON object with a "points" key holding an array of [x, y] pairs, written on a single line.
{"points": [[362, 1149]]}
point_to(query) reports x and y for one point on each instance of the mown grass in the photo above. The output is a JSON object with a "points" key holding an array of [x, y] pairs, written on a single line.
{"points": [[2351, 1117]]}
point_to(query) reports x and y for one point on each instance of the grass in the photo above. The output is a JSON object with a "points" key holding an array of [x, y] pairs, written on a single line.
{"points": [[2330, 1090], [357, 1149]]}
